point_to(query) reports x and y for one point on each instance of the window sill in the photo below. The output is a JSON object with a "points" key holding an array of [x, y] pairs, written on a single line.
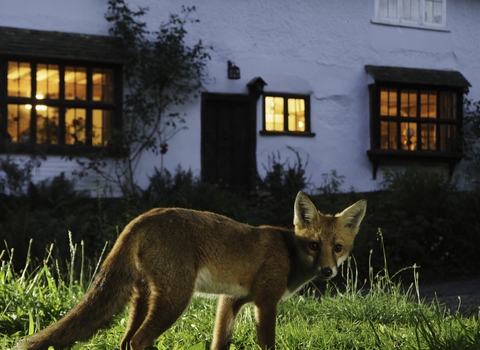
{"points": [[378, 156], [411, 25], [287, 133]]}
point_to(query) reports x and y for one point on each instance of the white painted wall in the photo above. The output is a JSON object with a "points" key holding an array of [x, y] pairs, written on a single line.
{"points": [[316, 47]]}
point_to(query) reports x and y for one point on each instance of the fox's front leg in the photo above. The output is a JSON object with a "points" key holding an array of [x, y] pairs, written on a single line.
{"points": [[227, 311], [265, 318]]}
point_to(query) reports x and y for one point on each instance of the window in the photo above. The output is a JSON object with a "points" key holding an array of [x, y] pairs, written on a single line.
{"points": [[413, 120], [415, 114], [59, 92], [414, 13], [59, 104], [286, 114]]}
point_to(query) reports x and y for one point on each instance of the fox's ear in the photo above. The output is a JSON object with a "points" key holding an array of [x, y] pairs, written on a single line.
{"points": [[304, 211], [353, 215]]}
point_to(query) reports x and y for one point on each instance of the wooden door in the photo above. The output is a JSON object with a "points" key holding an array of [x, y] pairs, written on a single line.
{"points": [[228, 141]]}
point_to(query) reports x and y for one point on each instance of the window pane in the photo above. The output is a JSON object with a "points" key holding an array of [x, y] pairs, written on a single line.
{"points": [[102, 124], [274, 114], [448, 105], [102, 85], [388, 135], [429, 137], [48, 81], [408, 103], [19, 79], [409, 136], [75, 132], [47, 124], [411, 10], [388, 102], [75, 83], [433, 11], [18, 123], [296, 114], [448, 140], [388, 9], [428, 104]]}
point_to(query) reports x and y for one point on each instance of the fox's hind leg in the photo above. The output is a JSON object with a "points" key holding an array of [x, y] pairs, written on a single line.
{"points": [[227, 311], [166, 301], [138, 310]]}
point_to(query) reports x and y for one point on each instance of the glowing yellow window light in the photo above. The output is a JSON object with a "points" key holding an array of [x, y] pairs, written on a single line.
{"points": [[19, 79], [274, 114], [296, 114]]}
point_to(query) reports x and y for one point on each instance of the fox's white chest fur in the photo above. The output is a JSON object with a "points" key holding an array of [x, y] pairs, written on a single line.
{"points": [[206, 283]]}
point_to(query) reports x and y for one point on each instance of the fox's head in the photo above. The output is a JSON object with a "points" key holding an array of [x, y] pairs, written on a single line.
{"points": [[327, 239]]}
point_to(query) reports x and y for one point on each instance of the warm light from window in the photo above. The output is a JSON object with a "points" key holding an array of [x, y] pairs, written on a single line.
{"points": [[277, 113], [33, 97], [296, 114], [408, 123], [19, 79], [101, 127], [274, 115], [37, 107], [75, 83]]}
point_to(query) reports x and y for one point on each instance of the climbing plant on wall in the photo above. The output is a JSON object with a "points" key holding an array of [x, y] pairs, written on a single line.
{"points": [[161, 72]]}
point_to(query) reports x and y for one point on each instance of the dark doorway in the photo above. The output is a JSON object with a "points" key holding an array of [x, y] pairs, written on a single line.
{"points": [[229, 141]]}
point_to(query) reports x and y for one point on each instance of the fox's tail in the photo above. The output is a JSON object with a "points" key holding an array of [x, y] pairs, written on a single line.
{"points": [[108, 294]]}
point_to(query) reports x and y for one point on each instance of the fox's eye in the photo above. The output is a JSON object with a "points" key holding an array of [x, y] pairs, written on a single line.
{"points": [[338, 248], [313, 246]]}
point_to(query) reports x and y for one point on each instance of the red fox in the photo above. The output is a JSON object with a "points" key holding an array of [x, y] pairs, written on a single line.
{"points": [[166, 255]]}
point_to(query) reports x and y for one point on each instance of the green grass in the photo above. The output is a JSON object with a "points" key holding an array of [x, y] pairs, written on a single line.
{"points": [[379, 315]]}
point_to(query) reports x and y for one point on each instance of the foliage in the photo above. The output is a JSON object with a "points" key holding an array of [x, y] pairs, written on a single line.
{"points": [[161, 72], [278, 189], [45, 212], [380, 315], [184, 189], [471, 137], [15, 175], [426, 220], [283, 178]]}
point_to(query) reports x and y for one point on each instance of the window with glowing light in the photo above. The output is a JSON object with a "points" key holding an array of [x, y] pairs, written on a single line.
{"points": [[414, 120], [59, 104], [415, 115], [286, 114]]}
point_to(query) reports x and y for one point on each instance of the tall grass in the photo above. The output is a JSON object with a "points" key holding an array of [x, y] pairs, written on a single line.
{"points": [[378, 313]]}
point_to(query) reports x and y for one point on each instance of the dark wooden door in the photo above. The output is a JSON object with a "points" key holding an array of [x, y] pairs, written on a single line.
{"points": [[228, 141]]}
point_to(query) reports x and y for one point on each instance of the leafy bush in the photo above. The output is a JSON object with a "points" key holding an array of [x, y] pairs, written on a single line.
{"points": [[427, 220], [471, 137], [184, 189], [278, 189]]}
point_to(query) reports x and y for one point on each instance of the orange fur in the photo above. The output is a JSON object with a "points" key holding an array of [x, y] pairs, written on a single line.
{"points": [[165, 255]]}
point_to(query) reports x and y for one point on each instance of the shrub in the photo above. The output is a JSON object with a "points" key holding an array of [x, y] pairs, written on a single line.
{"points": [[427, 220], [184, 189]]}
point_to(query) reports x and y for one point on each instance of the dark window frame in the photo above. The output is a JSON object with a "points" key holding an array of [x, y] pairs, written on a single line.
{"points": [[418, 79], [116, 106], [286, 132], [378, 155]]}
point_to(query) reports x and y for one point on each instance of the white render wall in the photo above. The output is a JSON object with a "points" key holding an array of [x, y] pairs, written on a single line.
{"points": [[316, 47]]}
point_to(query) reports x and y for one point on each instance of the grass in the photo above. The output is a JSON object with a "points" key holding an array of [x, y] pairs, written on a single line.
{"points": [[381, 314]]}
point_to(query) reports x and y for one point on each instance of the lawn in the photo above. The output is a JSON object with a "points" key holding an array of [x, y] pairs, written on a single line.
{"points": [[375, 314]]}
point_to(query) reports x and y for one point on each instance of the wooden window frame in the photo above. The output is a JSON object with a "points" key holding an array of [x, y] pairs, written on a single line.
{"points": [[378, 154], [285, 131], [62, 103]]}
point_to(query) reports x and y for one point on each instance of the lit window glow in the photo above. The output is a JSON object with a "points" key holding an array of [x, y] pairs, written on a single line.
{"points": [[277, 114]]}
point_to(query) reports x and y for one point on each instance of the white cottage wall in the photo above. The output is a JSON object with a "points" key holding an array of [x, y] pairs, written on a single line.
{"points": [[314, 47]]}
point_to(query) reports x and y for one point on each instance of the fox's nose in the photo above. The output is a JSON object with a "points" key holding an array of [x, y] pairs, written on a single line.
{"points": [[326, 272]]}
